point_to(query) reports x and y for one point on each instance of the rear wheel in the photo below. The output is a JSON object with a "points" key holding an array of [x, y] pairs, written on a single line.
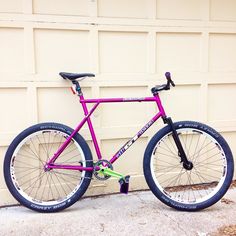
{"points": [[195, 188], [38, 188]]}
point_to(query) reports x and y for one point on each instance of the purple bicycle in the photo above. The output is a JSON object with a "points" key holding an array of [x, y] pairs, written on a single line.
{"points": [[187, 165]]}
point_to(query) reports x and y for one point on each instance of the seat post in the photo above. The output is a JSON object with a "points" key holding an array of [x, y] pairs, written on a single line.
{"points": [[78, 88]]}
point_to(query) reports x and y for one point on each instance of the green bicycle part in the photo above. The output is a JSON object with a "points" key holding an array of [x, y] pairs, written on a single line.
{"points": [[112, 173]]}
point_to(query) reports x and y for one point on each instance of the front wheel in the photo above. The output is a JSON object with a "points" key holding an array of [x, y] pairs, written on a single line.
{"points": [[201, 186], [41, 189]]}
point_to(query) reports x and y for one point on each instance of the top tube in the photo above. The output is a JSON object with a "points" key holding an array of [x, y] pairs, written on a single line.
{"points": [[106, 100]]}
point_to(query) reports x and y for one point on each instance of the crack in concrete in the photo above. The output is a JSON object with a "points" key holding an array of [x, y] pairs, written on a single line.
{"points": [[178, 224]]}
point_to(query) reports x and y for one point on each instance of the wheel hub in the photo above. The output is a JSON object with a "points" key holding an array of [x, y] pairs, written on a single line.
{"points": [[188, 165]]}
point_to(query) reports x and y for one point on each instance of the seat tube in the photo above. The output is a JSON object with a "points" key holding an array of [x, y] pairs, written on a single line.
{"points": [[90, 125]]}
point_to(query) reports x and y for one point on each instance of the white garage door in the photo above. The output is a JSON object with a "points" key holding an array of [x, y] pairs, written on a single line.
{"points": [[128, 44]]}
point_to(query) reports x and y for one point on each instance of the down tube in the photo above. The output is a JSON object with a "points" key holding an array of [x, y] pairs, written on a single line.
{"points": [[132, 140]]}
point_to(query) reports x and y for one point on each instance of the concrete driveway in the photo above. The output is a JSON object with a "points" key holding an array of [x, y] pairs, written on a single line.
{"points": [[138, 213]]}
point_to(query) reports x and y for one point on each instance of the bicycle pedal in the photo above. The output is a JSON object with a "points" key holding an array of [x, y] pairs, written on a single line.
{"points": [[124, 184]]}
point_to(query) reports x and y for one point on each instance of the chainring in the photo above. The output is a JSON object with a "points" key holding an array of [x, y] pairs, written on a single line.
{"points": [[98, 174]]}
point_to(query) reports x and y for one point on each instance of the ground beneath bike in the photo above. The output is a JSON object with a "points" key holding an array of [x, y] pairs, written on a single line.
{"points": [[138, 213]]}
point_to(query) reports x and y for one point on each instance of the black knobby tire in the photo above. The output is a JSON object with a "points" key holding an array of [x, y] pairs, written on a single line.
{"points": [[28, 182], [194, 189]]}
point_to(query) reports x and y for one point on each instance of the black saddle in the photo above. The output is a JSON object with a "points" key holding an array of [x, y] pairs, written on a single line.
{"points": [[74, 76]]}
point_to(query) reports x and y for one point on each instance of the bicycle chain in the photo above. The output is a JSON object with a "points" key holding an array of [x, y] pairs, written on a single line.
{"points": [[97, 175]]}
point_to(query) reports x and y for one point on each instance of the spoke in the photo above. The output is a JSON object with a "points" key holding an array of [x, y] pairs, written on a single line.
{"points": [[199, 151], [176, 179], [168, 147], [191, 184], [40, 143], [181, 137], [166, 162], [170, 137], [209, 157], [26, 169], [208, 151], [54, 135], [45, 188], [173, 157], [66, 182], [211, 175], [49, 133], [61, 184], [50, 188], [67, 161], [36, 152], [30, 153], [211, 169], [40, 177], [40, 188], [27, 146], [45, 143], [29, 157], [190, 145], [71, 175], [60, 142], [65, 153], [25, 174], [206, 181], [200, 189], [163, 175], [210, 163], [196, 147], [204, 178], [55, 186], [201, 178], [27, 164], [165, 167], [179, 180]]}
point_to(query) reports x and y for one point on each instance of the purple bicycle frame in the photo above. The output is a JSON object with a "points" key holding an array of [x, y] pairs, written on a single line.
{"points": [[87, 119]]}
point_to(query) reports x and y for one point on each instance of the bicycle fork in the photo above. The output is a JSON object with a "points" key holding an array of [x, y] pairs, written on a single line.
{"points": [[188, 165]]}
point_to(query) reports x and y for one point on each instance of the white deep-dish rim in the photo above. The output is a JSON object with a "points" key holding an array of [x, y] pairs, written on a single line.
{"points": [[18, 188]]}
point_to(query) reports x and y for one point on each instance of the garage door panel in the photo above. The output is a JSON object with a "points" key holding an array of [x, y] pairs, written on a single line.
{"points": [[13, 103], [123, 8], [178, 52], [122, 52], [179, 9], [182, 102], [221, 98], [59, 105], [61, 7], [223, 10], [61, 50], [12, 47], [222, 52], [123, 165], [124, 114], [13, 6]]}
